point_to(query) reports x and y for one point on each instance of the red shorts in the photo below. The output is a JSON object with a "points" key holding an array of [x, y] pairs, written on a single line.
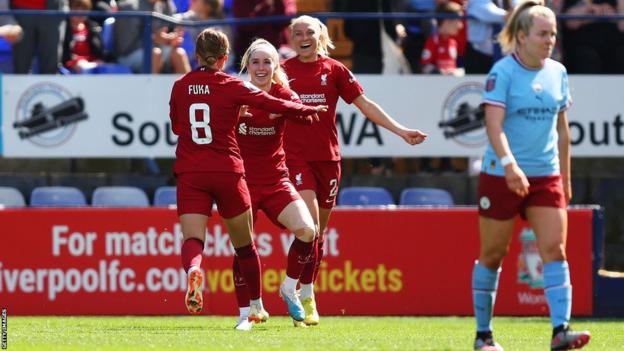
{"points": [[272, 198], [498, 202], [196, 191], [323, 177]]}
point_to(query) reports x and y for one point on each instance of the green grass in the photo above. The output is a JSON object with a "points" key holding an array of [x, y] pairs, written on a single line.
{"points": [[335, 333]]}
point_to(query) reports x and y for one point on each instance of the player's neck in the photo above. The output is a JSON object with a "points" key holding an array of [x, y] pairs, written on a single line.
{"points": [[311, 58], [528, 60], [264, 87]]}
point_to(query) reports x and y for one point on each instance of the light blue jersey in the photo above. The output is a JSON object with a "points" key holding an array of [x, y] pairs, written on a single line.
{"points": [[532, 99]]}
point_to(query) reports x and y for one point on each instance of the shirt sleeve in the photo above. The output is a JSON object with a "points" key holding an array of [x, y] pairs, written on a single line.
{"points": [[485, 11], [496, 87], [246, 93], [348, 87], [290, 95], [566, 100]]}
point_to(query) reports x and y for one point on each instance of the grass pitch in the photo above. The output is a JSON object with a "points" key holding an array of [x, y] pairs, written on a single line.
{"points": [[334, 333]]}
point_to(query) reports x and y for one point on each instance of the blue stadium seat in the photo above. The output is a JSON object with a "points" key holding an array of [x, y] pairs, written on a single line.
{"points": [[426, 196], [6, 57], [188, 44], [57, 196], [165, 196], [108, 68], [11, 197], [365, 196], [119, 196]]}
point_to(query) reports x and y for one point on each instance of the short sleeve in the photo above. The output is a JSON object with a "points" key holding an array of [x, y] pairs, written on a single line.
{"points": [[566, 100], [348, 87], [496, 87]]}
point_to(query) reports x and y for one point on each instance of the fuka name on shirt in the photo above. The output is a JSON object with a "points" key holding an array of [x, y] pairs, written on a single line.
{"points": [[198, 89]]}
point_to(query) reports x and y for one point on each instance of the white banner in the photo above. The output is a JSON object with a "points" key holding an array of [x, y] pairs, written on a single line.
{"points": [[127, 116]]}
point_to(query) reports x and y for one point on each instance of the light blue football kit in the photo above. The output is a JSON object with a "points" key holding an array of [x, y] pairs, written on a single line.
{"points": [[532, 99]]}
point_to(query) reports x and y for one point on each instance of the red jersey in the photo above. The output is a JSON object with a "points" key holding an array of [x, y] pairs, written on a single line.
{"points": [[318, 83], [440, 51], [261, 142], [80, 43], [204, 112]]}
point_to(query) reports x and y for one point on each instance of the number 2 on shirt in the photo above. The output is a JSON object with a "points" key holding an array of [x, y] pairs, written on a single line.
{"points": [[196, 125]]}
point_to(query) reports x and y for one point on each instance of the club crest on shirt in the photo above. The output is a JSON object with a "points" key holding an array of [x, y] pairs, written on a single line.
{"points": [[490, 83], [324, 79], [537, 88]]}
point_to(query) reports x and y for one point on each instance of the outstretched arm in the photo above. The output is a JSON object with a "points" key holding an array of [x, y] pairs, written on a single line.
{"points": [[377, 115]]}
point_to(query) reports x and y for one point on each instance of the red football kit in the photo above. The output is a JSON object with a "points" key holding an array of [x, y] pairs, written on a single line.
{"points": [[440, 51], [204, 112], [313, 153], [260, 139]]}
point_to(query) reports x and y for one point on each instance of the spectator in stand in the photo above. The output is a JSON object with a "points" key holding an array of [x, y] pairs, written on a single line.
{"points": [[440, 53], [414, 33], [41, 34], [487, 17], [105, 6], [593, 46], [275, 32], [460, 37], [10, 31], [167, 55], [199, 10], [365, 35], [82, 47]]}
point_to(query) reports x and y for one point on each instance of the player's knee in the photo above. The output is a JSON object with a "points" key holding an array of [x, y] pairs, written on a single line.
{"points": [[554, 252], [306, 234], [493, 259]]}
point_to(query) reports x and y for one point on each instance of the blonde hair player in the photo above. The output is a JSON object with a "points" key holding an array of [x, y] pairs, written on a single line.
{"points": [[313, 153], [526, 169], [260, 139]]}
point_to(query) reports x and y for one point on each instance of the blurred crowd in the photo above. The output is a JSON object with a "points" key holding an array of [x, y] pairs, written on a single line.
{"points": [[439, 43]]}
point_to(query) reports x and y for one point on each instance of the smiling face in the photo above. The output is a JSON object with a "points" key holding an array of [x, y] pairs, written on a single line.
{"points": [[305, 38], [261, 68], [537, 45]]}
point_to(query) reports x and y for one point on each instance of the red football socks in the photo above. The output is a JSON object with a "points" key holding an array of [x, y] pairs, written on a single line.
{"points": [[192, 253], [249, 263], [298, 256]]}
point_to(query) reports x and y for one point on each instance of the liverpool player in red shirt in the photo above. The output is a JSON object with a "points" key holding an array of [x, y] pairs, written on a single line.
{"points": [[260, 141], [312, 152], [204, 112]]}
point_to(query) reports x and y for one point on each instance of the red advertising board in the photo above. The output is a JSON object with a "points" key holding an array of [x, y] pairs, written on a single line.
{"points": [[378, 262]]}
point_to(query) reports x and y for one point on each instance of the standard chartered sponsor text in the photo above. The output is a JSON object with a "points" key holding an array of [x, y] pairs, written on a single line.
{"points": [[313, 98]]}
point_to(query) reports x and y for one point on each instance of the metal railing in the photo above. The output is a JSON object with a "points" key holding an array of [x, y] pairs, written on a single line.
{"points": [[324, 16]]}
